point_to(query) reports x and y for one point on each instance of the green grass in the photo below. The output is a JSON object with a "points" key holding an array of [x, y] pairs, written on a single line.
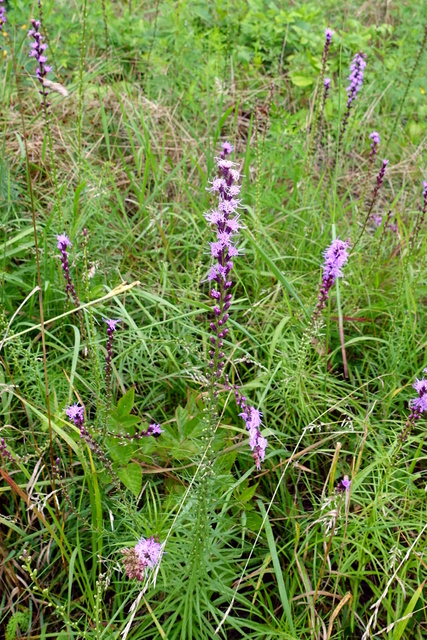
{"points": [[276, 553]]}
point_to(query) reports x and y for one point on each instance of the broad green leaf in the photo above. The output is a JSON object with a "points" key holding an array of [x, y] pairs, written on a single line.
{"points": [[125, 404], [131, 476]]}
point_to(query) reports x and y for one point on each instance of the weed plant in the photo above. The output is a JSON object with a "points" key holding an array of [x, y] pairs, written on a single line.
{"points": [[212, 436]]}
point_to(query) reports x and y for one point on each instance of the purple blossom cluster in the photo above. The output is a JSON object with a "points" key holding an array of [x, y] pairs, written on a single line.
{"points": [[357, 70], [38, 48], [336, 255], [344, 485], [75, 413], [63, 243], [328, 37], [257, 442], [226, 221], [145, 555]]}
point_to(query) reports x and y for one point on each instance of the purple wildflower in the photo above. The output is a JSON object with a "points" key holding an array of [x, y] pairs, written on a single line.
{"points": [[38, 47], [154, 430], [336, 255], [375, 137], [328, 38], [357, 70], [418, 405], [226, 221], [63, 243], [145, 555], [377, 220], [111, 328], [75, 413], [344, 484]]}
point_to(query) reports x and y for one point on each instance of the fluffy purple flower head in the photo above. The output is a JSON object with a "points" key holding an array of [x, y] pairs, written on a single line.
{"points": [[149, 551], [227, 148], [75, 413], [424, 189], [154, 430], [327, 83], [328, 33], [345, 483], [375, 137], [257, 442], [63, 241], [336, 255], [420, 404], [143, 556], [111, 324], [357, 70], [377, 220]]}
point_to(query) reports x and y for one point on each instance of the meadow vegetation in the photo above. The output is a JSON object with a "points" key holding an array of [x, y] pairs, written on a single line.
{"points": [[247, 463]]}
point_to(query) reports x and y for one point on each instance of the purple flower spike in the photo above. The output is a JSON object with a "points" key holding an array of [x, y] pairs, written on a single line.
{"points": [[357, 71], [111, 328], [336, 255], [38, 47], [226, 221], [328, 33], [145, 555], [375, 137], [418, 405], [63, 243], [75, 413]]}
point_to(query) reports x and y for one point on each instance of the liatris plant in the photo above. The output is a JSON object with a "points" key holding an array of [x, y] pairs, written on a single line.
{"points": [[336, 255], [379, 181], [111, 328], [418, 406], [326, 87], [357, 70], [38, 48], [226, 221], [316, 133], [63, 243], [145, 555]]}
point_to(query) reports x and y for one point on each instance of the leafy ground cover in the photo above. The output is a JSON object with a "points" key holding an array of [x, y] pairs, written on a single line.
{"points": [[123, 168]]}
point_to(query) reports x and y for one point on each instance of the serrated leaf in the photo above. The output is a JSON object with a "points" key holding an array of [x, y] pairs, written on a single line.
{"points": [[125, 404], [120, 452], [131, 476]]}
